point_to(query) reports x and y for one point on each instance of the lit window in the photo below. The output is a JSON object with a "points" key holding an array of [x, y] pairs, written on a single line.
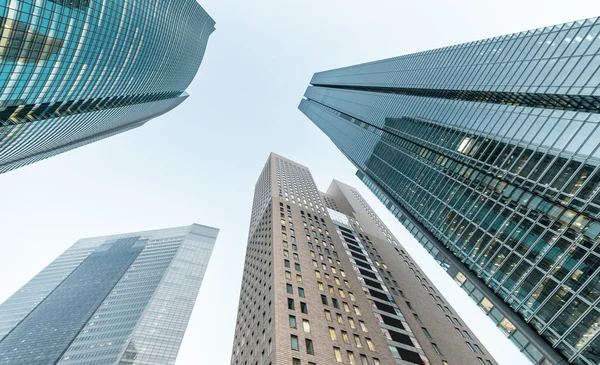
{"points": [[306, 325], [357, 341], [338, 354], [351, 358], [363, 327], [486, 305], [370, 344], [507, 326], [345, 337], [332, 334], [328, 315]]}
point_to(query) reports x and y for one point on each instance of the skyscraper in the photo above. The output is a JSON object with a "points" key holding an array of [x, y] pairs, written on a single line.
{"points": [[488, 153], [74, 72], [120, 299], [325, 282]]}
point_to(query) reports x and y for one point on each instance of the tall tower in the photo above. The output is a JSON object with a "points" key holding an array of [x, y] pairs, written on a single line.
{"points": [[488, 153], [120, 299], [315, 291], [74, 72]]}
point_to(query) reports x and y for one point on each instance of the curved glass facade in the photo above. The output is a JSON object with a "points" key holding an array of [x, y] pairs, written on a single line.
{"points": [[73, 70], [490, 148]]}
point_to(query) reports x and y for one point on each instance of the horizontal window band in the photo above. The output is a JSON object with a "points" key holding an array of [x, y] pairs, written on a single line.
{"points": [[581, 103]]}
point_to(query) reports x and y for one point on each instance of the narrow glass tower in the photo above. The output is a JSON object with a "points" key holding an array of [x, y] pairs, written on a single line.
{"points": [[120, 299], [488, 153], [76, 71]]}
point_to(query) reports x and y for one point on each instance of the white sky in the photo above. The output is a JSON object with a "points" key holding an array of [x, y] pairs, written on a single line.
{"points": [[200, 162]]}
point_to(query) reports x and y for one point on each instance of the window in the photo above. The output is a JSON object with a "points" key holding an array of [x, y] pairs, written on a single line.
{"points": [[318, 274], [470, 346], [332, 334], [288, 275], [338, 354], [467, 335], [481, 361], [363, 360], [357, 311], [457, 322], [507, 326], [351, 358], [486, 305], [376, 362], [351, 322], [363, 327], [303, 308], [341, 293], [289, 288], [345, 337], [449, 319], [306, 325], [409, 305], [352, 297], [436, 348], [297, 267], [324, 300], [294, 341], [296, 361], [440, 307], [328, 315], [357, 341], [370, 344], [335, 302], [346, 307], [315, 263], [286, 253], [321, 287], [418, 318], [301, 292], [478, 349], [448, 310], [426, 332], [299, 278], [309, 347], [292, 320], [459, 332], [340, 319]]}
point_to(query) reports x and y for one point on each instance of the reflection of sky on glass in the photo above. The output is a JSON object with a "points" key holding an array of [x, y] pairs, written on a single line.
{"points": [[199, 163]]}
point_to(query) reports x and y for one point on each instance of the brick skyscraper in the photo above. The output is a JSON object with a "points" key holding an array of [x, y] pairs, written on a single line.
{"points": [[317, 290]]}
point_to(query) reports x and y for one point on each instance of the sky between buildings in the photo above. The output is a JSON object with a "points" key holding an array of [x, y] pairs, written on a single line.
{"points": [[199, 163]]}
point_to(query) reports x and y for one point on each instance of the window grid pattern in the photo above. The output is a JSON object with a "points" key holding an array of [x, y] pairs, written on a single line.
{"points": [[511, 190], [60, 58]]}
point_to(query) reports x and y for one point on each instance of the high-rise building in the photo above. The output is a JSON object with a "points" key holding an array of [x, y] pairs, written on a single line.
{"points": [[488, 153], [73, 72], [120, 299], [325, 282]]}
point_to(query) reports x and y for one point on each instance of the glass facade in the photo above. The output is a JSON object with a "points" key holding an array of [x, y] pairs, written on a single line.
{"points": [[488, 153], [122, 299], [73, 72]]}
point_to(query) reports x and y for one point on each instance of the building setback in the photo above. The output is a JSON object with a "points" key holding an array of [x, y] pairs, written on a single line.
{"points": [[488, 153], [120, 299], [73, 72], [315, 290]]}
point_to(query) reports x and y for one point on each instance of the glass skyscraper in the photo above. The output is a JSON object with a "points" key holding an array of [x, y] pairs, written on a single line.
{"points": [[76, 71], [488, 153], [120, 299]]}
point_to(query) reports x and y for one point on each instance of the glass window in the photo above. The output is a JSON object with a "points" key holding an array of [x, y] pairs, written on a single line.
{"points": [[338, 354], [306, 325], [292, 320], [332, 333], [294, 343]]}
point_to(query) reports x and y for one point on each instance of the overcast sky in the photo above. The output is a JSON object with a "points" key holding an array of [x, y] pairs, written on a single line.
{"points": [[199, 163]]}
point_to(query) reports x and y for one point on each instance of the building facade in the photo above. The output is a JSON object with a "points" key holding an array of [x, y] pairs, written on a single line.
{"points": [[120, 299], [316, 290], [488, 153], [76, 71]]}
